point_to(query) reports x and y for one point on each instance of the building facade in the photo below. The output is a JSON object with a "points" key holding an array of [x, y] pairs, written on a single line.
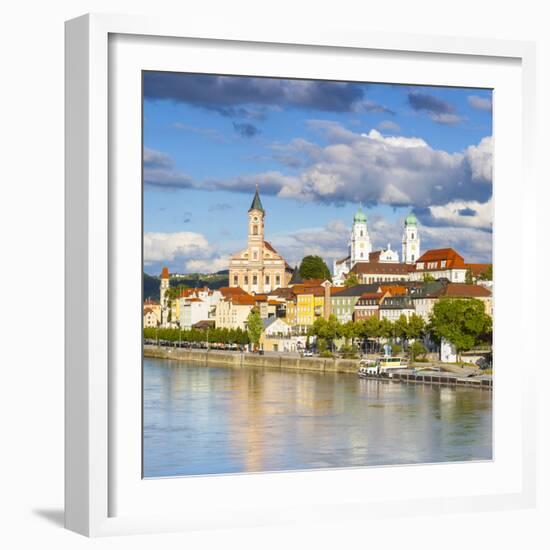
{"points": [[259, 267]]}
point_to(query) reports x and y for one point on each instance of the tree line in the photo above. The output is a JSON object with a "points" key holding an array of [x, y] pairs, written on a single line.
{"points": [[212, 335]]}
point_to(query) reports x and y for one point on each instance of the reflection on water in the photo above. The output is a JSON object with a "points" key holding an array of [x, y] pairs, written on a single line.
{"points": [[211, 420]]}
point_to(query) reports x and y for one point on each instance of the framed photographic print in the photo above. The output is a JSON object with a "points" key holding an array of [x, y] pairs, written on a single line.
{"points": [[288, 275]]}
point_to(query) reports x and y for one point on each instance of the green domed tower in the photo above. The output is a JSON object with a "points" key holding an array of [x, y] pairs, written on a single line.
{"points": [[360, 245], [411, 240]]}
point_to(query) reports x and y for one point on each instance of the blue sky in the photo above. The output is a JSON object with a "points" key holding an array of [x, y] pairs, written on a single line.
{"points": [[316, 149]]}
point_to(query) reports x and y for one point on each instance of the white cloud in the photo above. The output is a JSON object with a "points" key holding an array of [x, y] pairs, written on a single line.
{"points": [[166, 247], [480, 159], [480, 103], [210, 265], [374, 169], [464, 214]]}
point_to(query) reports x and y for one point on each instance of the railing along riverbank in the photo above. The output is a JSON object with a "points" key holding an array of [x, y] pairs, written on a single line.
{"points": [[316, 364]]}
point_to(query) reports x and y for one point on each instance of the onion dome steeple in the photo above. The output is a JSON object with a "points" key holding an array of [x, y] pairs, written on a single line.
{"points": [[360, 216]]}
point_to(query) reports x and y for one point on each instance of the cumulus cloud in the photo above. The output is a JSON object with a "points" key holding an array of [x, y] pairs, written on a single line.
{"points": [[480, 160], [438, 110], [159, 171], [459, 214], [480, 103], [353, 167], [182, 251], [373, 169], [253, 97]]}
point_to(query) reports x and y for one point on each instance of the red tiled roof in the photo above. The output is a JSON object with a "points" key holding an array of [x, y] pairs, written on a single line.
{"points": [[164, 274], [231, 291], [243, 300], [147, 310], [463, 290], [451, 257], [375, 256]]}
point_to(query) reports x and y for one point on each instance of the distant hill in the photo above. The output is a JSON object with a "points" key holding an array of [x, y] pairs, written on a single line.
{"points": [[151, 284]]}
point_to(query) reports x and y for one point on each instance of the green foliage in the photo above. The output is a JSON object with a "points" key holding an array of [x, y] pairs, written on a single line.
{"points": [[326, 354], [212, 335], [351, 280], [427, 278], [396, 349], [385, 329], [369, 328], [321, 345], [468, 279], [463, 322], [314, 267], [348, 352], [254, 326], [417, 351], [326, 329], [487, 275]]}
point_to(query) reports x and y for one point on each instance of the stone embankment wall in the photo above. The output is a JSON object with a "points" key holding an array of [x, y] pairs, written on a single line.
{"points": [[237, 359]]}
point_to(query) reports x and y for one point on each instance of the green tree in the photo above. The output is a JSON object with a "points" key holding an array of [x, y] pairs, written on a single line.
{"points": [[428, 277], [314, 267], [487, 275], [351, 280], [386, 329], [416, 349], [254, 326], [469, 279], [416, 327], [401, 327], [328, 330], [463, 322]]}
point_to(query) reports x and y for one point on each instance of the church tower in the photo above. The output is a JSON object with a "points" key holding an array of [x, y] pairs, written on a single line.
{"points": [[411, 240], [360, 245], [164, 286]]}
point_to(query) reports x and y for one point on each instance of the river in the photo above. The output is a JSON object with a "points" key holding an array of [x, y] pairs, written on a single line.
{"points": [[217, 419]]}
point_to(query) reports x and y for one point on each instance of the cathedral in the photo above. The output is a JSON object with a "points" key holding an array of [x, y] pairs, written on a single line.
{"points": [[258, 268], [360, 249]]}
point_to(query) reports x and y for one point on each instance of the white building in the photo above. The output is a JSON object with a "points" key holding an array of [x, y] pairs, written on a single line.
{"points": [[197, 304]]}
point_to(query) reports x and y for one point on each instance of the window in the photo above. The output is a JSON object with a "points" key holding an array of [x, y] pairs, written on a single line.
{"points": [[412, 257], [255, 255], [412, 235], [277, 279], [361, 233], [236, 280], [267, 279], [246, 279], [254, 230]]}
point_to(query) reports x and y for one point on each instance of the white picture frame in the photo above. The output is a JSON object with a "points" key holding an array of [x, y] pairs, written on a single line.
{"points": [[99, 499]]}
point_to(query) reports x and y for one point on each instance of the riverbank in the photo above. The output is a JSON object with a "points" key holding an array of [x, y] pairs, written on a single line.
{"points": [[452, 377], [238, 359]]}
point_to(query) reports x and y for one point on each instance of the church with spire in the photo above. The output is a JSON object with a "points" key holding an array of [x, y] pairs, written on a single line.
{"points": [[259, 267]]}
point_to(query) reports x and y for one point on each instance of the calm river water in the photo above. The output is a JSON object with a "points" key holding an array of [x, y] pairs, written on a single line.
{"points": [[211, 420]]}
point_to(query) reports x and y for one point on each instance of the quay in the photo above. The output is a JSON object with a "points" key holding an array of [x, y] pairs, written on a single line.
{"points": [[317, 364]]}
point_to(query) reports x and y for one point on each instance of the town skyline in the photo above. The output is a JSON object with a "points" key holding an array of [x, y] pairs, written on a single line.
{"points": [[317, 150]]}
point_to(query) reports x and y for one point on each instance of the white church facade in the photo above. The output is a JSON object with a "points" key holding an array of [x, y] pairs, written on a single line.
{"points": [[362, 260]]}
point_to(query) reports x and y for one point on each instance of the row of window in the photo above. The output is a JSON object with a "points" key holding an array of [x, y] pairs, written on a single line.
{"points": [[255, 280]]}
